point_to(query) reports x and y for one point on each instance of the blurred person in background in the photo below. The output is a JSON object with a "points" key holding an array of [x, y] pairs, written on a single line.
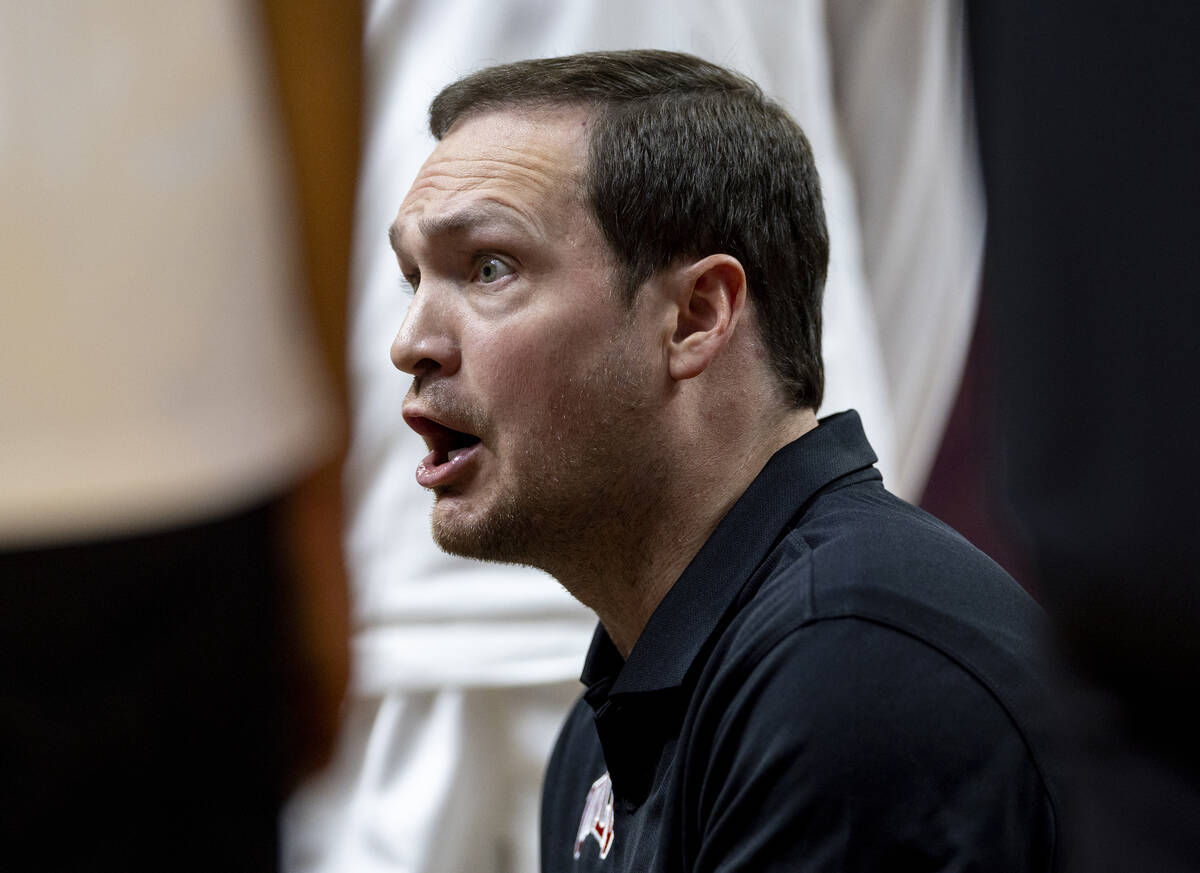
{"points": [[172, 596], [463, 671], [1090, 131]]}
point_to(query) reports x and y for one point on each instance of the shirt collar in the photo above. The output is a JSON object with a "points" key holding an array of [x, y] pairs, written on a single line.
{"points": [[690, 612]]}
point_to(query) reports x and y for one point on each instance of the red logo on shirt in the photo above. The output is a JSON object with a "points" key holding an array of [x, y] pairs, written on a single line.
{"points": [[597, 820]]}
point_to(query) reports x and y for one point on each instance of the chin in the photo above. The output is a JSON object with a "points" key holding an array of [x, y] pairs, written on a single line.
{"points": [[499, 535]]}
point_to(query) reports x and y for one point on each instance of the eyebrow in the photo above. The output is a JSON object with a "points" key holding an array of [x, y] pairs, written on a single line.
{"points": [[466, 219]]}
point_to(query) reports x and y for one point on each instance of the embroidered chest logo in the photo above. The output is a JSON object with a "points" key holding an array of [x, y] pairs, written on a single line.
{"points": [[597, 820]]}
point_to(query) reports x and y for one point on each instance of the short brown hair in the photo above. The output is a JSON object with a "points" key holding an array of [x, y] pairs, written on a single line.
{"points": [[687, 159]]}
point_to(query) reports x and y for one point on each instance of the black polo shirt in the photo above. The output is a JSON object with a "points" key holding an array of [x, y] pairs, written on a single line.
{"points": [[837, 682]]}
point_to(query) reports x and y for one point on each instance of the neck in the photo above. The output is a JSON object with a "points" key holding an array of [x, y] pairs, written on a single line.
{"points": [[629, 567]]}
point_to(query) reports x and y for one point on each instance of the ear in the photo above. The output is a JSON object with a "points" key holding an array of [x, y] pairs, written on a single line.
{"points": [[709, 298]]}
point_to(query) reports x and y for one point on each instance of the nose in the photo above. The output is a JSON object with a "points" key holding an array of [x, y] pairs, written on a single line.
{"points": [[427, 343]]}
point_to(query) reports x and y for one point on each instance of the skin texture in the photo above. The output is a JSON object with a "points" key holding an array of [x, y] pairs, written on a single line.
{"points": [[611, 439]]}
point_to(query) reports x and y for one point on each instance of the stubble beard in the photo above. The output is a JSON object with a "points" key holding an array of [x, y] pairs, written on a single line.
{"points": [[584, 488]]}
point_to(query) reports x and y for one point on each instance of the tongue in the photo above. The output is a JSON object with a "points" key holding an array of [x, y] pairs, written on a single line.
{"points": [[439, 469]]}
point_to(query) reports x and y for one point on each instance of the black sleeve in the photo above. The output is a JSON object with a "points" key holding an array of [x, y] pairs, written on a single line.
{"points": [[855, 747]]}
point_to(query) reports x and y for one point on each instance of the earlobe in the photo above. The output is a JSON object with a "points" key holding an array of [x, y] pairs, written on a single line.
{"points": [[711, 294]]}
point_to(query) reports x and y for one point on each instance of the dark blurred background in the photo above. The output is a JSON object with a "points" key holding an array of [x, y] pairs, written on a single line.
{"points": [[1069, 456]]}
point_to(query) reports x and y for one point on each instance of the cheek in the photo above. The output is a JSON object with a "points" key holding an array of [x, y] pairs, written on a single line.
{"points": [[522, 374]]}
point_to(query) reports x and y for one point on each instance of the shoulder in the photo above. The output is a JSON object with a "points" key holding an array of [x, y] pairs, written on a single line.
{"points": [[859, 552], [858, 693], [862, 533], [863, 580], [882, 673], [846, 726]]}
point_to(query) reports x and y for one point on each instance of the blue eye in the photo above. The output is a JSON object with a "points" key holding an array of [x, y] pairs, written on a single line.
{"points": [[493, 270]]}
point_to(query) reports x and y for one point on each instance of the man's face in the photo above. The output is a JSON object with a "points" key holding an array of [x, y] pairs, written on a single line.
{"points": [[533, 384]]}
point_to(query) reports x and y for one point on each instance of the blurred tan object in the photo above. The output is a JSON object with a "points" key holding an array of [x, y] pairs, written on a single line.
{"points": [[317, 53], [175, 212], [142, 197]]}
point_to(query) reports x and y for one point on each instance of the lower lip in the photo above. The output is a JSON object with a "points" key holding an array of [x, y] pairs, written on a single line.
{"points": [[432, 475]]}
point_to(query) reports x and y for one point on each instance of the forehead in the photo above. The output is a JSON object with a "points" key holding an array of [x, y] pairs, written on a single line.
{"points": [[508, 165]]}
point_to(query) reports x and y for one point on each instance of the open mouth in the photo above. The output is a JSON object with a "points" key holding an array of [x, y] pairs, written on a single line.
{"points": [[450, 444], [450, 449]]}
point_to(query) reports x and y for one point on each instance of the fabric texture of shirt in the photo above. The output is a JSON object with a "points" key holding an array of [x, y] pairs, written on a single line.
{"points": [[838, 681]]}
